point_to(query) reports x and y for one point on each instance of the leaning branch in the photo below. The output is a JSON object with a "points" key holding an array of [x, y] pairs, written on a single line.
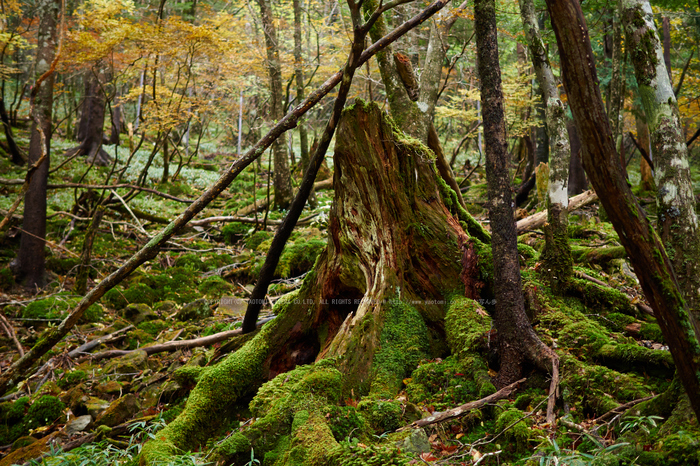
{"points": [[18, 370]]}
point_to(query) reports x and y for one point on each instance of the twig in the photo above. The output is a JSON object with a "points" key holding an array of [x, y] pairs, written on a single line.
{"points": [[465, 408], [621, 409], [140, 227], [7, 327]]}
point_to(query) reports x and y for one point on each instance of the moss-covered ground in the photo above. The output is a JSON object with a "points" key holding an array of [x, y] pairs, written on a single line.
{"points": [[611, 353]]}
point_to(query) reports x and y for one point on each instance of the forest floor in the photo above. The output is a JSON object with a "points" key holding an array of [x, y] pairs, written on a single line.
{"points": [[619, 403]]}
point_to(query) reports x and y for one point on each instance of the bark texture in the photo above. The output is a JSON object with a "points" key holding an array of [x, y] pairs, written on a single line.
{"points": [[30, 261], [677, 220], [556, 255], [643, 245], [517, 340], [283, 177]]}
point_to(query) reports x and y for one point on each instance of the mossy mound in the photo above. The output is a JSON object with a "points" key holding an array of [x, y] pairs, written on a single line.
{"points": [[57, 306]]}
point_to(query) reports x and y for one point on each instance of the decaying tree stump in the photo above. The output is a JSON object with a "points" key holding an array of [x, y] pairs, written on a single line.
{"points": [[377, 296]]}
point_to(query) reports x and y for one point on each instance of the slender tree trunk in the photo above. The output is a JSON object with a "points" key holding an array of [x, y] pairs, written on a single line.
{"points": [[15, 153], [116, 120], [616, 100], [577, 175], [666, 24], [86, 254], [90, 131], [283, 177], [404, 110], [677, 220], [30, 262], [299, 76], [557, 252], [517, 340], [647, 177], [643, 245]]}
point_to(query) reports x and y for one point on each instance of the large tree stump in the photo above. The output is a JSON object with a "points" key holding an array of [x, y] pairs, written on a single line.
{"points": [[377, 296]]}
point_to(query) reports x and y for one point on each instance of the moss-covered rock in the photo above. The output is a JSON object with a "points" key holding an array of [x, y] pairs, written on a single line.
{"points": [[119, 411], [214, 287], [131, 364], [196, 310]]}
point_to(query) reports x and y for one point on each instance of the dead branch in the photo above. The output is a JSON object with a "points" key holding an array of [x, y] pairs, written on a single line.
{"points": [[7, 327], [465, 408], [173, 345], [537, 220], [621, 409], [11, 182]]}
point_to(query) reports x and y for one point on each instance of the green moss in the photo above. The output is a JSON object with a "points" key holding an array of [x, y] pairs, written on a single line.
{"points": [[43, 411], [62, 265], [369, 455], [233, 232], [651, 331], [7, 279], [215, 286], [449, 197], [72, 378], [383, 416], [616, 321], [187, 376], [234, 446], [516, 431], [140, 293], [443, 384], [403, 344], [466, 326], [345, 421], [153, 327], [254, 240], [190, 261], [601, 298]]}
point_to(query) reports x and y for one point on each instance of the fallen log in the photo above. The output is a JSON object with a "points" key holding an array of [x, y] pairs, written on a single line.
{"points": [[535, 221]]}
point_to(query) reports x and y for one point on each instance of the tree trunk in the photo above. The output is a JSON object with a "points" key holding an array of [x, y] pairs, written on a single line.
{"points": [[647, 181], [283, 177], [616, 100], [404, 110], [15, 153], [643, 245], [517, 340], [577, 176], [30, 262], [677, 221], [377, 294], [556, 255], [85, 256], [90, 131], [116, 120], [299, 76]]}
